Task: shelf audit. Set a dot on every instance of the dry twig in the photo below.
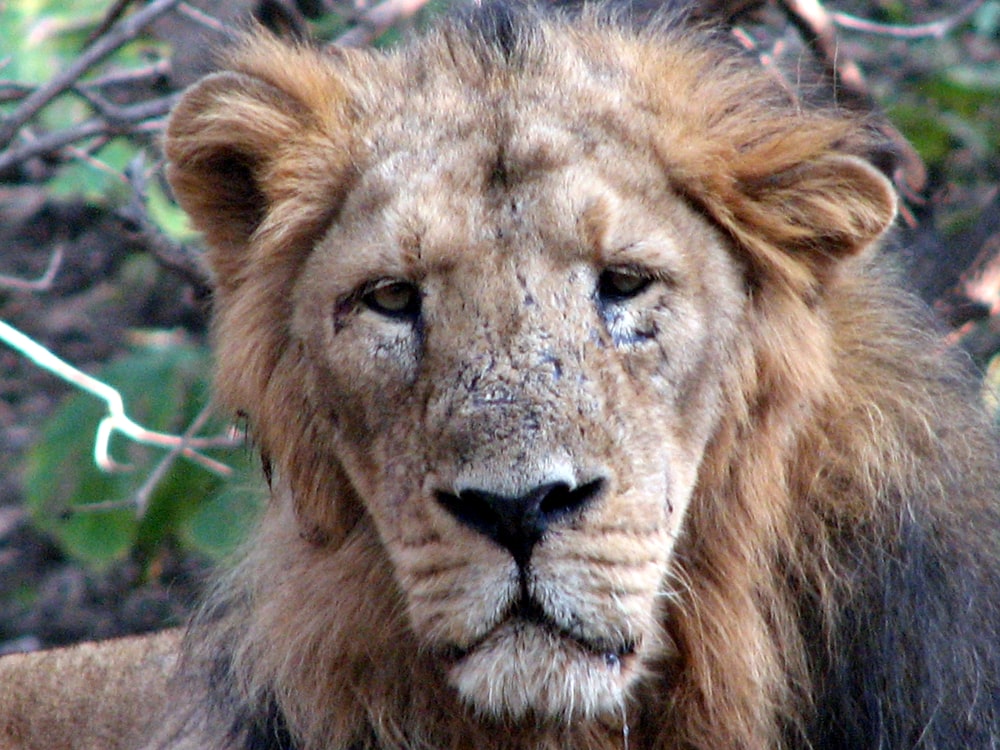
(42, 283)
(116, 420)
(173, 255)
(144, 116)
(140, 501)
(934, 29)
(116, 37)
(204, 19)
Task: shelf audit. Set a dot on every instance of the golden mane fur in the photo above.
(527, 252)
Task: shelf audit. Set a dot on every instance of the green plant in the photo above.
(92, 514)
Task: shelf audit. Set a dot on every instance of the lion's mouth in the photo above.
(529, 614)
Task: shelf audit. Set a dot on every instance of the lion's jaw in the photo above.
(517, 375)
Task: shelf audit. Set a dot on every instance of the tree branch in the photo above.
(123, 32)
(116, 420)
(819, 30)
(124, 119)
(934, 29)
(173, 255)
(42, 283)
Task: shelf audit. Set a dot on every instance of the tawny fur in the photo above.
(790, 457)
(93, 696)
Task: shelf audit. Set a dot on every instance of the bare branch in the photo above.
(42, 283)
(14, 92)
(146, 74)
(140, 501)
(202, 18)
(111, 17)
(934, 29)
(51, 142)
(172, 255)
(142, 496)
(120, 34)
(818, 28)
(125, 120)
(117, 115)
(116, 420)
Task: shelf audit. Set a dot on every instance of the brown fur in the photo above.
(89, 697)
(770, 424)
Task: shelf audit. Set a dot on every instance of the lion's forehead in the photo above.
(541, 189)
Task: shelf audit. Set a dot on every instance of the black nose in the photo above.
(518, 523)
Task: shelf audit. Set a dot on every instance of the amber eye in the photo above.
(620, 284)
(394, 299)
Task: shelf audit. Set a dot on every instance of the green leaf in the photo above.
(925, 130)
(220, 524)
(167, 214)
(61, 473)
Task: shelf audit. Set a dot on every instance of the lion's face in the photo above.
(494, 312)
(515, 354)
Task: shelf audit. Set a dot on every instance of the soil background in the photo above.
(91, 308)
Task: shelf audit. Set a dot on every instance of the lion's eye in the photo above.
(620, 284)
(394, 299)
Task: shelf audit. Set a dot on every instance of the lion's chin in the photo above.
(524, 668)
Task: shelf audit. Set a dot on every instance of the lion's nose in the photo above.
(518, 523)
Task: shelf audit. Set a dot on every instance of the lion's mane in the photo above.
(836, 582)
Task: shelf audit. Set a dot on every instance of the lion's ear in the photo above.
(811, 214)
(837, 204)
(220, 139)
(825, 209)
(265, 142)
(786, 181)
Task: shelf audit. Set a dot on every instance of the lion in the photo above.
(592, 412)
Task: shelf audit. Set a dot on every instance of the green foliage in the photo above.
(329, 26)
(42, 38)
(953, 106)
(923, 128)
(956, 107)
(163, 388)
(167, 214)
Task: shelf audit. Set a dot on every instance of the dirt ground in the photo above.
(87, 317)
